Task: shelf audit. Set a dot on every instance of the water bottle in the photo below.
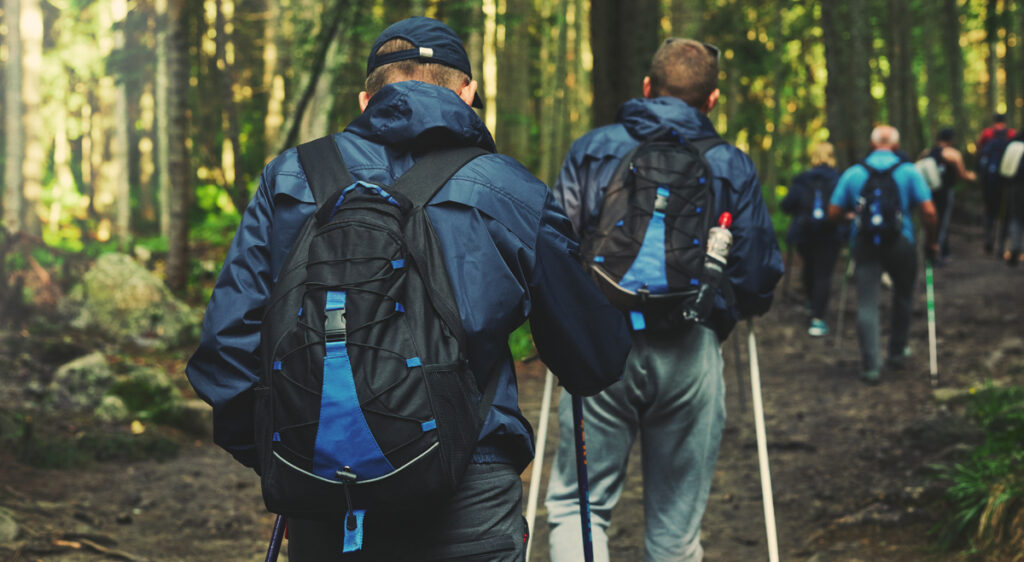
(719, 244)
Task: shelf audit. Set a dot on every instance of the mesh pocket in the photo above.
(457, 422)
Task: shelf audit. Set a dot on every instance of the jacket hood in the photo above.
(646, 118)
(419, 116)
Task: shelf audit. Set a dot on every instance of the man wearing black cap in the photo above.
(951, 167)
(509, 252)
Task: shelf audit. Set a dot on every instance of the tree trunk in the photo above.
(121, 145)
(955, 61)
(14, 133)
(231, 150)
(847, 92)
(512, 134)
(623, 37)
(34, 160)
(901, 91)
(162, 109)
(179, 166)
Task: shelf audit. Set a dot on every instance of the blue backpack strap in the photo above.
(324, 166)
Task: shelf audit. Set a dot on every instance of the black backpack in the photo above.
(816, 206)
(880, 209)
(992, 155)
(365, 399)
(647, 252)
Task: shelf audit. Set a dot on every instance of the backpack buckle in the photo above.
(335, 328)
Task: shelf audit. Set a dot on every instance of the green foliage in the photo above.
(992, 477)
(217, 219)
(521, 343)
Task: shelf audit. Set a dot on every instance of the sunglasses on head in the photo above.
(711, 49)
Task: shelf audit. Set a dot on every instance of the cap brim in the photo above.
(478, 102)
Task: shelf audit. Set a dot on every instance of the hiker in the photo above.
(507, 249)
(817, 239)
(1015, 211)
(949, 163)
(991, 143)
(672, 391)
(881, 191)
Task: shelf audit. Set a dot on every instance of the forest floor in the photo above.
(848, 461)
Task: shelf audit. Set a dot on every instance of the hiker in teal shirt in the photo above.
(896, 256)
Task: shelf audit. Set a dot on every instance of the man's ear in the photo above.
(364, 100)
(712, 100)
(647, 87)
(468, 92)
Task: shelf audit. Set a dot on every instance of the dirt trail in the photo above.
(847, 459)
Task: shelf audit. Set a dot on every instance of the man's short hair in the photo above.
(685, 69)
(885, 135)
(412, 69)
(945, 134)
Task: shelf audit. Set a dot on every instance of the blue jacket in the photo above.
(799, 202)
(913, 189)
(509, 250)
(755, 264)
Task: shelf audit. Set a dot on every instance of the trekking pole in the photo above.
(538, 460)
(276, 536)
(843, 286)
(581, 477)
(762, 447)
(933, 360)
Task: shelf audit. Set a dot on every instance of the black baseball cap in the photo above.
(946, 134)
(433, 41)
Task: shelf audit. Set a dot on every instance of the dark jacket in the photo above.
(799, 202)
(755, 265)
(509, 250)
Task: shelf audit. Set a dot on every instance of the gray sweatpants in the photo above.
(900, 260)
(673, 395)
(483, 522)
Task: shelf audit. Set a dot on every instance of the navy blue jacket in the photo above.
(799, 202)
(509, 250)
(755, 264)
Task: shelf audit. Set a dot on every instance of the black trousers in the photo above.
(995, 193)
(482, 522)
(819, 257)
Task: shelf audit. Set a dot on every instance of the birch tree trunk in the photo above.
(121, 145)
(14, 134)
(34, 160)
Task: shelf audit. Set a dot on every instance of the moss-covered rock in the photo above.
(112, 409)
(122, 300)
(146, 390)
(79, 385)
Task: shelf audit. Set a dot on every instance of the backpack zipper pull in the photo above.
(348, 477)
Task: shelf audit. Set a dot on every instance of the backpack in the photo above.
(365, 399)
(992, 155)
(879, 208)
(932, 170)
(647, 252)
(1009, 164)
(816, 206)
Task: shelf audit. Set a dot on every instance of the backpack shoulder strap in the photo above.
(324, 167)
(432, 171)
(707, 143)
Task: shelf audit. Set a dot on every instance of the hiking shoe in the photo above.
(871, 376)
(900, 360)
(818, 328)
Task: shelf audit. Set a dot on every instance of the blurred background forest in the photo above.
(144, 124)
(140, 127)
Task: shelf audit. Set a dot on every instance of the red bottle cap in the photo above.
(725, 220)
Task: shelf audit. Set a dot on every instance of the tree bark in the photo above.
(121, 145)
(14, 133)
(901, 91)
(179, 166)
(161, 94)
(955, 61)
(847, 93)
(512, 134)
(231, 151)
(992, 40)
(34, 160)
(623, 37)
